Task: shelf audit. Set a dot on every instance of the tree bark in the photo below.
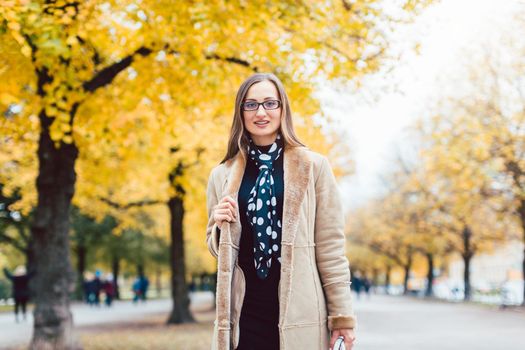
(467, 257)
(53, 281)
(406, 271)
(429, 292)
(157, 281)
(523, 267)
(406, 268)
(179, 290)
(115, 270)
(375, 277)
(521, 213)
(31, 267)
(387, 278)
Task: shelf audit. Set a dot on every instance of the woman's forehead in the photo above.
(262, 90)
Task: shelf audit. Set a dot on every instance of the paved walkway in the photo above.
(398, 323)
(12, 334)
(385, 323)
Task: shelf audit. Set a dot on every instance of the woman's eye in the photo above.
(250, 105)
(270, 104)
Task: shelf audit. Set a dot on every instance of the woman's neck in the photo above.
(264, 140)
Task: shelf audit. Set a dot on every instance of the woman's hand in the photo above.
(226, 210)
(347, 333)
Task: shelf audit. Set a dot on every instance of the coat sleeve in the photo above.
(212, 231)
(330, 250)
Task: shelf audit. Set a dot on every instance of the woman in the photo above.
(276, 227)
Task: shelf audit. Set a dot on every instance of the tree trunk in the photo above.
(523, 268)
(406, 269)
(429, 292)
(53, 281)
(81, 268)
(387, 279)
(467, 257)
(140, 268)
(31, 266)
(521, 211)
(115, 270)
(179, 290)
(375, 277)
(157, 281)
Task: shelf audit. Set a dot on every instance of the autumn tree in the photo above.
(475, 156)
(84, 63)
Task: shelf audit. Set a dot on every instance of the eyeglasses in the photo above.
(254, 105)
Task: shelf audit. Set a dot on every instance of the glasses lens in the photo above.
(272, 104)
(250, 106)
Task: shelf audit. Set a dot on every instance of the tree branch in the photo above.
(4, 238)
(131, 204)
(233, 60)
(106, 75)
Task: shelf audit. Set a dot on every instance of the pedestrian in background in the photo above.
(20, 280)
(357, 284)
(367, 285)
(92, 288)
(140, 288)
(108, 287)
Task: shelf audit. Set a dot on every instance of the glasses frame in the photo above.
(261, 104)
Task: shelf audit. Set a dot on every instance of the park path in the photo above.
(384, 323)
(404, 323)
(16, 334)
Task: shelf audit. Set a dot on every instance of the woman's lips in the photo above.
(261, 124)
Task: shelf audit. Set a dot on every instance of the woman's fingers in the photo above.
(229, 206)
(219, 218)
(228, 212)
(230, 200)
(347, 334)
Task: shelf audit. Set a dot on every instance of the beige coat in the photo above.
(314, 290)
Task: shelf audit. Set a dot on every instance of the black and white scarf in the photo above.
(262, 212)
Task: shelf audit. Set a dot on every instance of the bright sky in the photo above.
(375, 127)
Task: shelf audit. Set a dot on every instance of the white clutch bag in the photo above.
(339, 344)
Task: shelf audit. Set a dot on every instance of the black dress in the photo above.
(260, 309)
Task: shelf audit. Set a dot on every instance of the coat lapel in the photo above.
(233, 184)
(296, 176)
(229, 238)
(297, 170)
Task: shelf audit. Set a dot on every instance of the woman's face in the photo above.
(262, 124)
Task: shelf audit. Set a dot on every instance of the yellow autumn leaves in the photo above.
(143, 87)
(461, 190)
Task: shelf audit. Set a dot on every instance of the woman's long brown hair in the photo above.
(239, 136)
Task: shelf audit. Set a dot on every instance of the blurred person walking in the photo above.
(20, 280)
(92, 288)
(367, 285)
(357, 284)
(108, 287)
(276, 226)
(140, 288)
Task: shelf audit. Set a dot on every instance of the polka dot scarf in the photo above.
(262, 209)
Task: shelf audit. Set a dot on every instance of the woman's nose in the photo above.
(261, 110)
